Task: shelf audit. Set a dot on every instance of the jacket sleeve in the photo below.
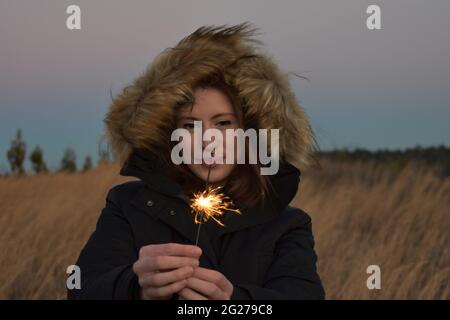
(107, 258)
(292, 273)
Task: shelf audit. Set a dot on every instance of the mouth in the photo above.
(208, 162)
(207, 166)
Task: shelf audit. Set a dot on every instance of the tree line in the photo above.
(437, 157)
(17, 154)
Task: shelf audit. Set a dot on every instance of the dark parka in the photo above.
(266, 253)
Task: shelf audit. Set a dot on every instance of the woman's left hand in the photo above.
(206, 284)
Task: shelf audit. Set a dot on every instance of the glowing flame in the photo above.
(211, 204)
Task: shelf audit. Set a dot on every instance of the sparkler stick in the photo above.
(201, 216)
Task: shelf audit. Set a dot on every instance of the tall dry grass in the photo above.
(361, 216)
(365, 215)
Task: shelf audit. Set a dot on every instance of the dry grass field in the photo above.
(362, 215)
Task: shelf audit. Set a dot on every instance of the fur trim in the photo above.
(141, 116)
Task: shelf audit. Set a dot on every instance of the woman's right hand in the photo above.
(162, 269)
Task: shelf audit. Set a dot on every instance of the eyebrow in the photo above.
(213, 117)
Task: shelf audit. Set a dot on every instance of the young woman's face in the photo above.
(215, 110)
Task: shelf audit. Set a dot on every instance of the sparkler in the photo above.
(210, 204)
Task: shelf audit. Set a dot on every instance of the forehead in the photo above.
(208, 102)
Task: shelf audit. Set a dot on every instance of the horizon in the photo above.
(5, 169)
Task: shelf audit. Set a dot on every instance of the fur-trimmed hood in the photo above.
(140, 117)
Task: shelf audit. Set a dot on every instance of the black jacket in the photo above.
(267, 252)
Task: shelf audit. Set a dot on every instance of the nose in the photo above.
(206, 126)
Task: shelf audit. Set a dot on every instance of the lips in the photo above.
(207, 161)
(207, 166)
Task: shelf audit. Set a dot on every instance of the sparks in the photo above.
(211, 204)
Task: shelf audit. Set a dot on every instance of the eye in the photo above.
(188, 125)
(224, 123)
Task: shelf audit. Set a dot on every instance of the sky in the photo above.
(374, 89)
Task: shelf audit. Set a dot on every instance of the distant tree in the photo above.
(16, 154)
(37, 160)
(104, 156)
(68, 162)
(87, 163)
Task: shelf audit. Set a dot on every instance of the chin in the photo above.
(219, 172)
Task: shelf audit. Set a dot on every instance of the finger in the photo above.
(213, 276)
(189, 294)
(151, 264)
(206, 288)
(166, 291)
(159, 279)
(171, 249)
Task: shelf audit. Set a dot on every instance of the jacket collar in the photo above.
(148, 167)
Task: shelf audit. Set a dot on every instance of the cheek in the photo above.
(230, 148)
(191, 143)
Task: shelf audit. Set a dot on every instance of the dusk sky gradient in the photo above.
(374, 89)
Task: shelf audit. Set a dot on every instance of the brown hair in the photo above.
(245, 183)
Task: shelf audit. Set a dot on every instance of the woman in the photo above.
(143, 246)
